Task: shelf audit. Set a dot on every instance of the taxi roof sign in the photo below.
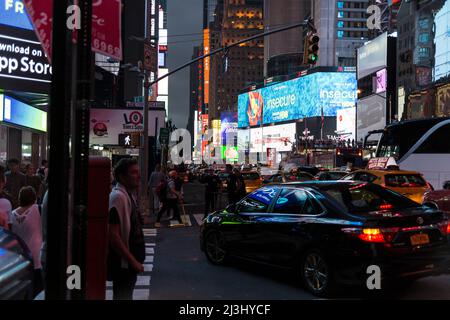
(382, 163)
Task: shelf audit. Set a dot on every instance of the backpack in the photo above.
(161, 190)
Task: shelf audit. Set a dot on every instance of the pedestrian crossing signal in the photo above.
(130, 140)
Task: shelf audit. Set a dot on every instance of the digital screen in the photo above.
(21, 114)
(228, 126)
(13, 13)
(229, 153)
(381, 80)
(299, 98)
(372, 56)
(371, 115)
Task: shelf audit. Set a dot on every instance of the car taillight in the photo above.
(444, 227)
(375, 235)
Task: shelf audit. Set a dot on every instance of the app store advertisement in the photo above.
(298, 98)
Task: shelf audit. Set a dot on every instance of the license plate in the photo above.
(418, 239)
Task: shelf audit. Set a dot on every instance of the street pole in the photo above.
(144, 149)
(57, 217)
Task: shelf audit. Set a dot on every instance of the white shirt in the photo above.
(27, 225)
(5, 211)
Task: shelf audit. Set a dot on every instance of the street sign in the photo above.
(164, 136)
(130, 140)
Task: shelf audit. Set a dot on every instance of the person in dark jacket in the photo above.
(212, 187)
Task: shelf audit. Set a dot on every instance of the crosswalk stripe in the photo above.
(143, 281)
(149, 250)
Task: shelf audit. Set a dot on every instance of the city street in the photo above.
(181, 271)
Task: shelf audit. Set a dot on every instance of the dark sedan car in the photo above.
(330, 175)
(330, 232)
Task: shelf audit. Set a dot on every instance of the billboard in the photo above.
(299, 98)
(216, 133)
(15, 112)
(280, 137)
(107, 124)
(371, 115)
(442, 42)
(346, 123)
(228, 123)
(13, 13)
(206, 65)
(372, 56)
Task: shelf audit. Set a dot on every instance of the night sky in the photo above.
(184, 17)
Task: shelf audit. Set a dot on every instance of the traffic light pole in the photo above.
(305, 24)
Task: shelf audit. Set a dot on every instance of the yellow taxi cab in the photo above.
(411, 184)
(252, 180)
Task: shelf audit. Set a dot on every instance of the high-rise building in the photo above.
(423, 73)
(283, 52)
(342, 28)
(242, 65)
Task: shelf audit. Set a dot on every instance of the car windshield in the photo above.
(366, 197)
(250, 176)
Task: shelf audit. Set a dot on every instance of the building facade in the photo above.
(342, 28)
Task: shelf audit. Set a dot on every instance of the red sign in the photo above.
(106, 25)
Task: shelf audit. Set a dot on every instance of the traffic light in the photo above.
(311, 48)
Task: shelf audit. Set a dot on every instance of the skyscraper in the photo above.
(342, 27)
(242, 65)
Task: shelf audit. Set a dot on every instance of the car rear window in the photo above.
(364, 198)
(404, 180)
(250, 176)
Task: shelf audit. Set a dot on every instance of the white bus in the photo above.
(419, 145)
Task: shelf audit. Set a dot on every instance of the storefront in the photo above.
(23, 131)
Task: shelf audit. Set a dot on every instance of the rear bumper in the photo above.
(352, 268)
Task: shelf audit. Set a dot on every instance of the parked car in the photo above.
(16, 268)
(439, 199)
(330, 232)
(288, 177)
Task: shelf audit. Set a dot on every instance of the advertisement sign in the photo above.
(299, 98)
(279, 137)
(107, 124)
(206, 65)
(228, 124)
(106, 25)
(229, 153)
(13, 13)
(346, 123)
(18, 113)
(216, 133)
(372, 56)
(205, 119)
(371, 115)
(381, 79)
(443, 100)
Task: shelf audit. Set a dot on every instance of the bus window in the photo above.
(437, 142)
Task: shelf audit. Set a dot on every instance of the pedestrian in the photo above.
(34, 180)
(173, 197)
(156, 178)
(15, 180)
(25, 222)
(41, 170)
(5, 202)
(213, 184)
(126, 238)
(241, 191)
(231, 184)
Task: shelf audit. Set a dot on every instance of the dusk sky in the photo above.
(184, 17)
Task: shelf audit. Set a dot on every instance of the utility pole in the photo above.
(145, 148)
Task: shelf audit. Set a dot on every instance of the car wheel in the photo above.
(316, 273)
(215, 248)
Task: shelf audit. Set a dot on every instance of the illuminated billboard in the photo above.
(372, 56)
(228, 127)
(299, 98)
(371, 115)
(18, 113)
(13, 13)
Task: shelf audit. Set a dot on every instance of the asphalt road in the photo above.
(181, 271)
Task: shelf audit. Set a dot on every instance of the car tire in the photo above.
(316, 273)
(215, 250)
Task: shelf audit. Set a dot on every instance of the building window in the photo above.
(423, 23)
(424, 37)
(340, 4)
(340, 14)
(340, 24)
(340, 34)
(424, 52)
